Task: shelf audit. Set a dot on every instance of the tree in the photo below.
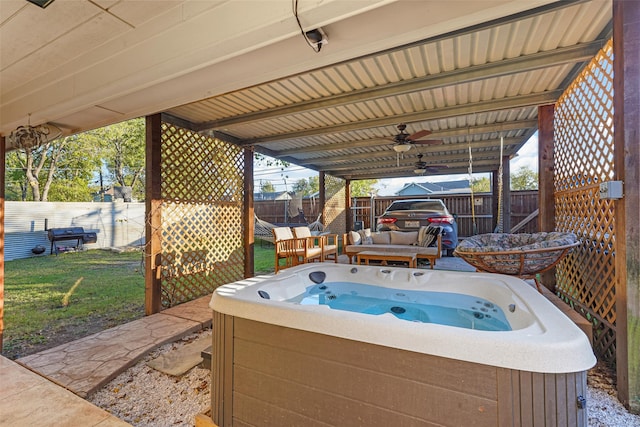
(57, 171)
(524, 179)
(307, 187)
(363, 187)
(267, 187)
(481, 185)
(122, 148)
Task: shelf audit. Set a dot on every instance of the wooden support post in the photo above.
(495, 203)
(2, 183)
(153, 206)
(546, 219)
(322, 197)
(347, 203)
(626, 104)
(506, 194)
(546, 200)
(248, 215)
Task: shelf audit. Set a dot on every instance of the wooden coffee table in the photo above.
(366, 256)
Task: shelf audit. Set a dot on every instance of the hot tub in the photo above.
(286, 354)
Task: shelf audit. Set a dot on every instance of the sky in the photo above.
(283, 180)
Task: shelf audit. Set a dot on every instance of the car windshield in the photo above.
(422, 205)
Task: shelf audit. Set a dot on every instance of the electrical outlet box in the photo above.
(611, 190)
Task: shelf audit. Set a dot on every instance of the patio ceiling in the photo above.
(470, 72)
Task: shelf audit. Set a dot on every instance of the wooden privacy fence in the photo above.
(523, 204)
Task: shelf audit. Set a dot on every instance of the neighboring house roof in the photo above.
(419, 188)
(276, 195)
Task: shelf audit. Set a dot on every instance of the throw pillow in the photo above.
(428, 235)
(366, 236)
(404, 237)
(381, 238)
(354, 238)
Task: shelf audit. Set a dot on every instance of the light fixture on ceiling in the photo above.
(33, 136)
(316, 38)
(401, 147)
(420, 166)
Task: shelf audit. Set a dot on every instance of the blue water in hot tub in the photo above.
(445, 308)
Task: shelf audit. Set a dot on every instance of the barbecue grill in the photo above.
(70, 233)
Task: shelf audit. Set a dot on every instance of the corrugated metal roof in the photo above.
(472, 86)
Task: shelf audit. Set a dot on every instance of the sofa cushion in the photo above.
(354, 238)
(404, 237)
(365, 236)
(382, 238)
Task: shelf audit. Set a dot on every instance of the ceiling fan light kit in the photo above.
(401, 147)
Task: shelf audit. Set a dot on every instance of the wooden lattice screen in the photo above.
(202, 203)
(335, 207)
(584, 158)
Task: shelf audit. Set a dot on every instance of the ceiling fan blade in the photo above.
(427, 141)
(419, 134)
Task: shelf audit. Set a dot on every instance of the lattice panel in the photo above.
(335, 208)
(584, 157)
(584, 126)
(202, 236)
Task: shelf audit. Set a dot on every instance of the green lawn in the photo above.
(50, 300)
(263, 257)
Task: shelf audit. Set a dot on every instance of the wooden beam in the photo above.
(546, 170)
(3, 154)
(347, 196)
(248, 215)
(506, 194)
(495, 198)
(546, 219)
(322, 198)
(153, 206)
(626, 89)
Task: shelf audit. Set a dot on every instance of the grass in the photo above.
(263, 257)
(55, 299)
(51, 300)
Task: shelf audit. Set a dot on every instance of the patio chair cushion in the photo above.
(516, 254)
(282, 233)
(499, 242)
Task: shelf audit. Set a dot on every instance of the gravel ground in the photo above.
(145, 397)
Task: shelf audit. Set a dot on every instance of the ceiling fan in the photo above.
(403, 141)
(420, 167)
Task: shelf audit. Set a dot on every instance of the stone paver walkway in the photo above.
(85, 365)
(27, 399)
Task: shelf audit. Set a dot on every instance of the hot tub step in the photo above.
(206, 357)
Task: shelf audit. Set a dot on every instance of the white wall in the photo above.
(116, 224)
